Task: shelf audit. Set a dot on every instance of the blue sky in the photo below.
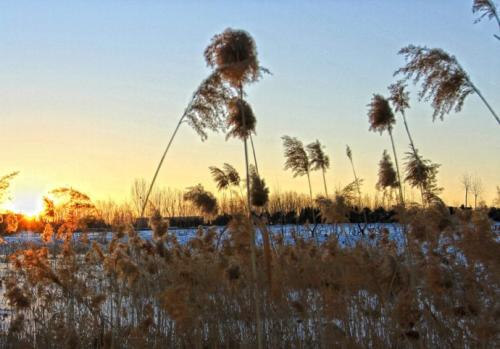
(91, 90)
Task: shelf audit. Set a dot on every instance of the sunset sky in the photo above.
(90, 91)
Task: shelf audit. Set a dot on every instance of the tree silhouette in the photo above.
(466, 181)
(444, 82)
(382, 119)
(318, 160)
(476, 189)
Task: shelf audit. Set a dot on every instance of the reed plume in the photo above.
(444, 82)
(232, 175)
(485, 9)
(422, 174)
(318, 160)
(381, 119)
(297, 160)
(220, 178)
(387, 177)
(233, 53)
(11, 223)
(241, 119)
(258, 189)
(203, 200)
(5, 183)
(207, 110)
(158, 225)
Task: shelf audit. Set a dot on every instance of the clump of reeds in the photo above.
(202, 200)
(132, 292)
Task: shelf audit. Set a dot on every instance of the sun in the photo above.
(29, 204)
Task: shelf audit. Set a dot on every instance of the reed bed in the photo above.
(440, 290)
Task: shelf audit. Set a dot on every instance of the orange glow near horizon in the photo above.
(26, 203)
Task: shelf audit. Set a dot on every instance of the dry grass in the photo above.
(441, 290)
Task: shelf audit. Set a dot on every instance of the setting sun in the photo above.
(29, 204)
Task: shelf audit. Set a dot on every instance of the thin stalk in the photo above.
(359, 193)
(311, 196)
(401, 198)
(412, 145)
(485, 102)
(145, 202)
(252, 237)
(324, 182)
(408, 133)
(254, 155)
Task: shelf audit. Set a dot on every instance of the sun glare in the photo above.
(29, 204)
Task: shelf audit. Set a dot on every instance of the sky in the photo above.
(90, 91)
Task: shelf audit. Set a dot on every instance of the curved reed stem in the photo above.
(252, 236)
(401, 198)
(486, 103)
(254, 155)
(145, 202)
(324, 182)
(359, 192)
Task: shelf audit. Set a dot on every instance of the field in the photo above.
(348, 242)
(154, 290)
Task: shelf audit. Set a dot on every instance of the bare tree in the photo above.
(476, 189)
(466, 182)
(138, 195)
(496, 201)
